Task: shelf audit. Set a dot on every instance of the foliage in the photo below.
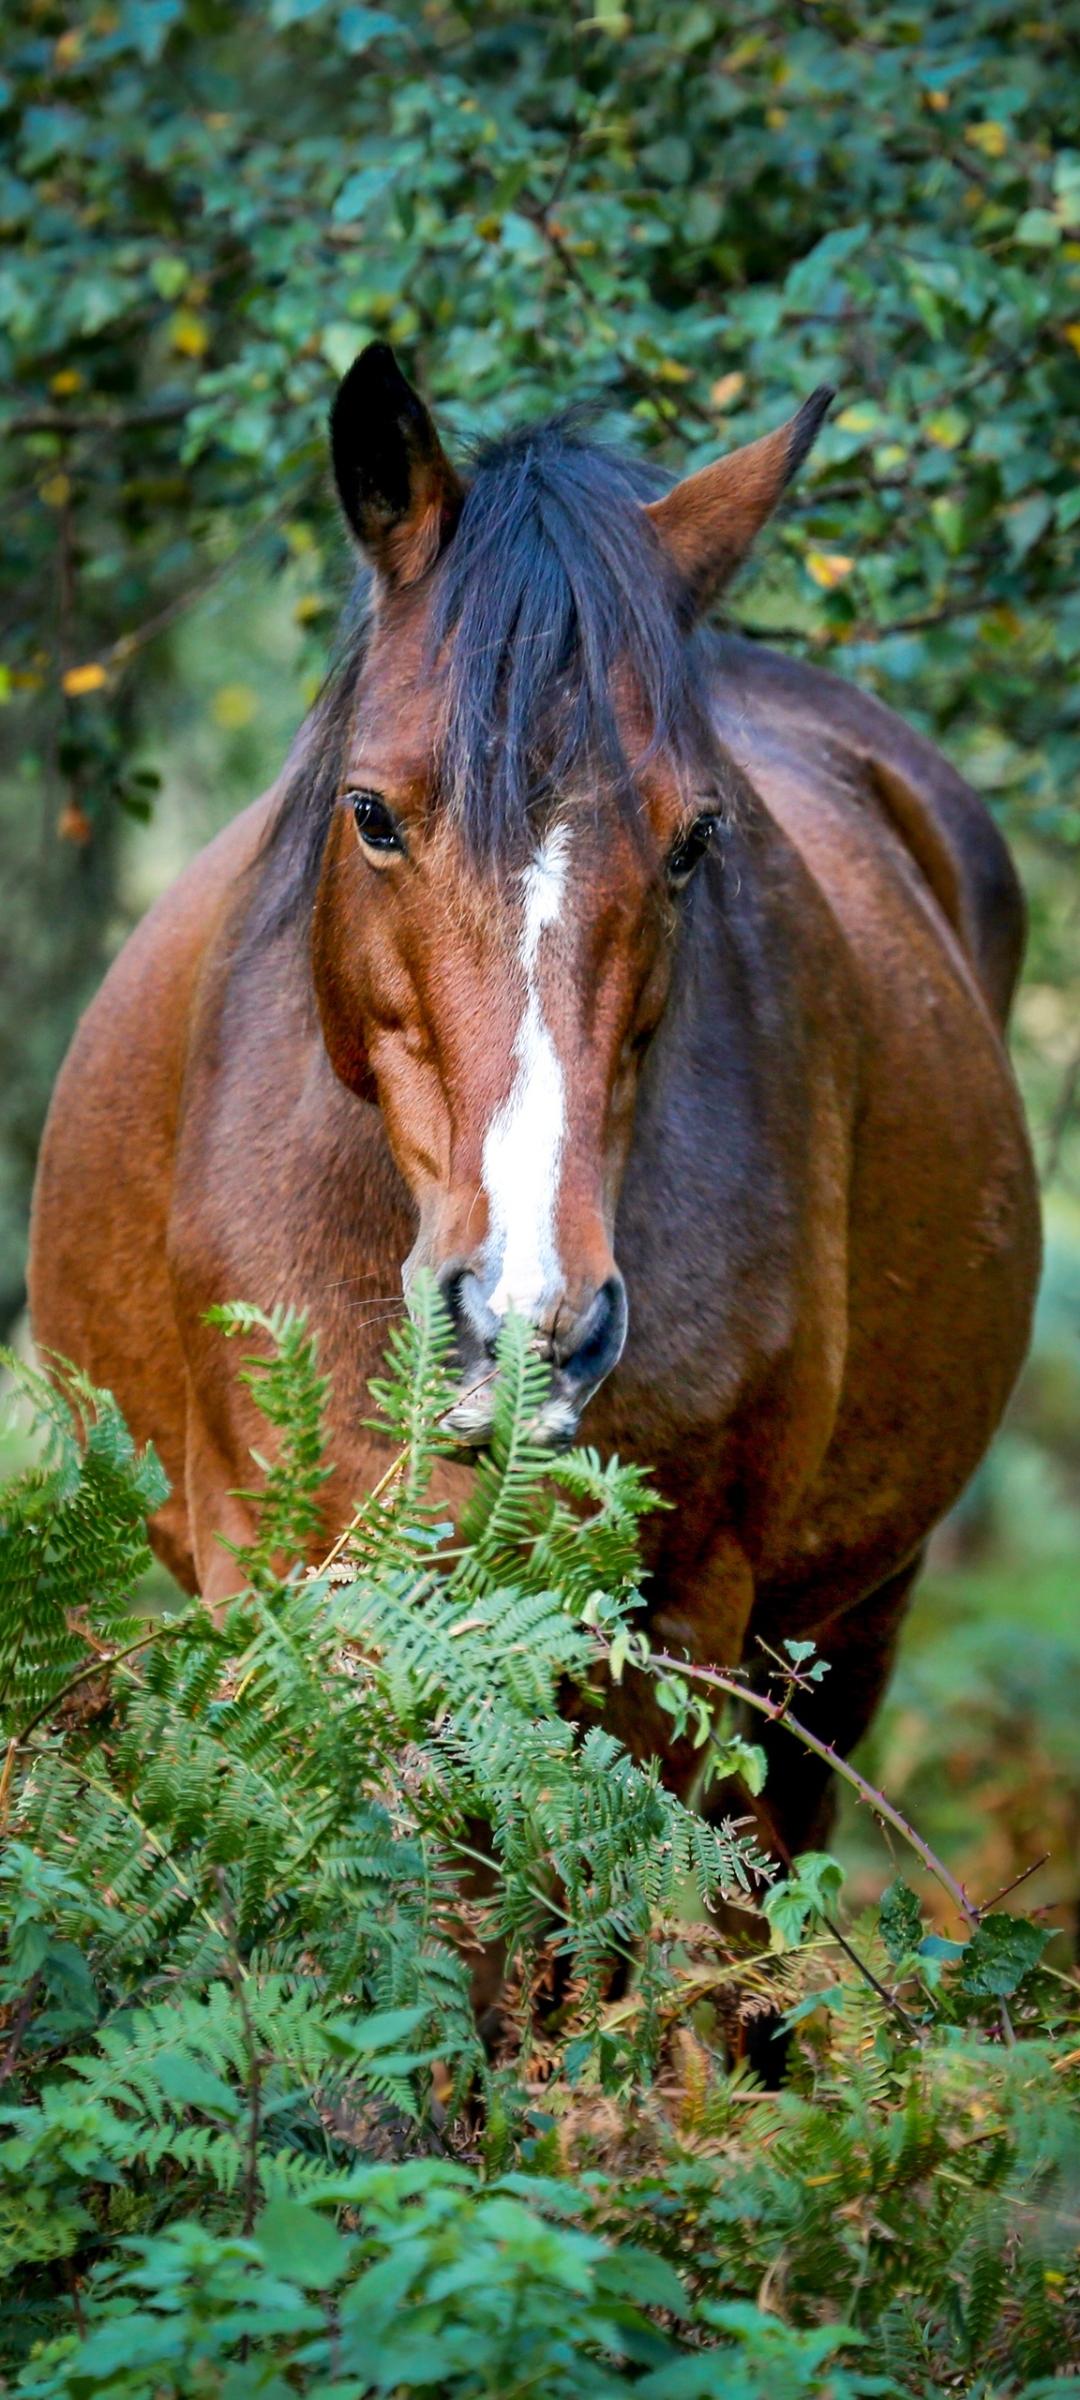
(249, 2134)
(685, 216)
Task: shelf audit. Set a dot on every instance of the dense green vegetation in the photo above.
(687, 215)
(250, 2139)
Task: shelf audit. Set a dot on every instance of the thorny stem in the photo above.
(778, 1713)
(19, 2023)
(1011, 1887)
(236, 1977)
(883, 1993)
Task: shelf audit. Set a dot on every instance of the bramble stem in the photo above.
(778, 1713)
(100, 1664)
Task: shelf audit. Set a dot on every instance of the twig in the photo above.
(393, 1469)
(236, 1977)
(1011, 1887)
(881, 1989)
(61, 420)
(118, 653)
(19, 2023)
(778, 1714)
(99, 1665)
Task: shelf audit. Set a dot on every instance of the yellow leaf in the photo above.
(188, 333)
(233, 706)
(826, 568)
(775, 118)
(990, 137)
(78, 680)
(863, 417)
(68, 381)
(56, 491)
(726, 389)
(68, 47)
(744, 53)
(1072, 334)
(937, 100)
(671, 370)
(947, 428)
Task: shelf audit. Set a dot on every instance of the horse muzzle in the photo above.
(580, 1348)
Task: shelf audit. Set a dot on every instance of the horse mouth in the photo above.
(471, 1417)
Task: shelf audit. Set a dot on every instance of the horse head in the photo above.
(528, 784)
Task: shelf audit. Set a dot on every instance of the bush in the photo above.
(253, 2140)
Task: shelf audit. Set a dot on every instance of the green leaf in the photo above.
(299, 2243)
(900, 1919)
(359, 27)
(360, 2037)
(360, 193)
(294, 12)
(644, 2277)
(189, 2084)
(1039, 228)
(831, 1996)
(1000, 1953)
(734, 1756)
(808, 1892)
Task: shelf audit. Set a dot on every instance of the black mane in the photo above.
(553, 578)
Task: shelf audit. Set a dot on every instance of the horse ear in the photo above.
(707, 523)
(397, 487)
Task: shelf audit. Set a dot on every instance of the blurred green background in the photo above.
(686, 216)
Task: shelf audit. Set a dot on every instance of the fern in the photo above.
(291, 1395)
(235, 2008)
(72, 1539)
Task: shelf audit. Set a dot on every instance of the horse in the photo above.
(615, 970)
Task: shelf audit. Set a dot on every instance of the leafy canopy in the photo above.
(689, 216)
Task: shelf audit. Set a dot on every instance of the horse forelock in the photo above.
(552, 592)
(552, 595)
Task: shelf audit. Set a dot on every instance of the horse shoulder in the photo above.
(943, 824)
(99, 1284)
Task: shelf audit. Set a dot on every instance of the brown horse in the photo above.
(628, 975)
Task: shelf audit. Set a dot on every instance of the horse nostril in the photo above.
(474, 1327)
(600, 1335)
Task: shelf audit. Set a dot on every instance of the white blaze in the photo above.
(524, 1141)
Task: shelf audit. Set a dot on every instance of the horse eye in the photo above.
(685, 856)
(374, 823)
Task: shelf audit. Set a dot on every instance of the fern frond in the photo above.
(72, 1539)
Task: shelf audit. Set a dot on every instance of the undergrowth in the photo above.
(255, 1873)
